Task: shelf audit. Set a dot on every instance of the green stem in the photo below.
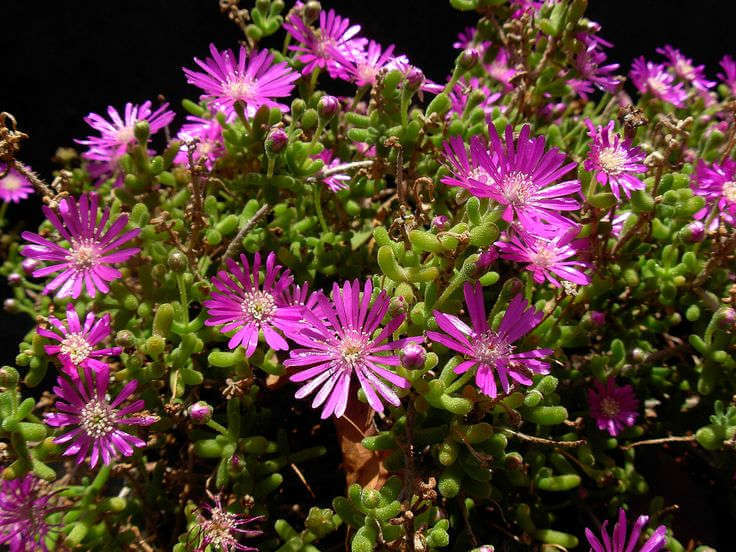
(317, 188)
(405, 99)
(183, 299)
(457, 384)
(3, 210)
(212, 424)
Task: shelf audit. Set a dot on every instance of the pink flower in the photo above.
(548, 257)
(460, 94)
(589, 64)
(717, 184)
(343, 346)
(76, 342)
(207, 133)
(336, 181)
(98, 422)
(653, 78)
(24, 507)
(684, 68)
(613, 408)
(253, 79)
(327, 47)
(618, 541)
(118, 133)
(222, 528)
(492, 351)
(13, 185)
(465, 171)
(728, 77)
(500, 69)
(613, 160)
(92, 246)
(363, 66)
(241, 304)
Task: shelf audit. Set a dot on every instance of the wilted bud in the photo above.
(414, 78)
(276, 141)
(726, 318)
(177, 261)
(311, 11)
(10, 305)
(412, 356)
(14, 279)
(694, 232)
(29, 265)
(469, 58)
(439, 222)
(200, 412)
(598, 318)
(328, 106)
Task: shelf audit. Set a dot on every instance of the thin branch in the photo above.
(547, 442)
(661, 441)
(235, 243)
(343, 167)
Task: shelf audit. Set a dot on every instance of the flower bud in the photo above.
(14, 279)
(726, 317)
(694, 232)
(11, 305)
(297, 108)
(177, 261)
(276, 141)
(124, 339)
(414, 78)
(29, 265)
(439, 222)
(200, 412)
(469, 58)
(486, 258)
(598, 318)
(327, 107)
(311, 11)
(412, 356)
(142, 131)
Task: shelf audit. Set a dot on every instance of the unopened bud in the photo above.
(177, 261)
(200, 412)
(412, 356)
(297, 108)
(694, 232)
(469, 58)
(125, 339)
(276, 141)
(598, 318)
(311, 11)
(14, 279)
(142, 131)
(10, 305)
(328, 106)
(439, 222)
(29, 265)
(414, 78)
(726, 318)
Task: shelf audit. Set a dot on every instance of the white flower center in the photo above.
(241, 89)
(11, 182)
(97, 419)
(76, 346)
(612, 160)
(684, 69)
(366, 73)
(218, 529)
(518, 188)
(729, 191)
(545, 255)
(258, 307)
(84, 254)
(488, 348)
(352, 349)
(657, 85)
(610, 407)
(125, 135)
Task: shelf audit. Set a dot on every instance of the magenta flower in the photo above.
(76, 342)
(717, 184)
(118, 133)
(24, 507)
(363, 66)
(521, 177)
(329, 46)
(466, 171)
(500, 70)
(548, 257)
(222, 528)
(298, 296)
(684, 68)
(653, 78)
(241, 304)
(460, 94)
(520, 7)
(253, 79)
(617, 542)
(87, 249)
(613, 408)
(344, 346)
(492, 351)
(13, 185)
(336, 181)
(98, 422)
(728, 77)
(209, 145)
(589, 63)
(613, 160)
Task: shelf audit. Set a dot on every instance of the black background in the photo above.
(61, 60)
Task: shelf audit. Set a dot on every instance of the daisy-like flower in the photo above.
(241, 303)
(88, 248)
(118, 133)
(548, 257)
(612, 407)
(728, 77)
(221, 529)
(13, 185)
(717, 184)
(24, 509)
(98, 421)
(684, 68)
(298, 296)
(363, 65)
(335, 40)
(207, 134)
(522, 176)
(617, 542)
(500, 70)
(76, 342)
(252, 78)
(460, 94)
(336, 181)
(613, 160)
(343, 346)
(465, 171)
(589, 63)
(490, 351)
(653, 78)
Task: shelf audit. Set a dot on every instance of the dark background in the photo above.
(61, 60)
